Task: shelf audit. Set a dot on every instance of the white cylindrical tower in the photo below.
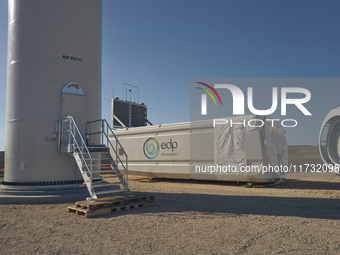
(54, 70)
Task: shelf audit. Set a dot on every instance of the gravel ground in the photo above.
(189, 217)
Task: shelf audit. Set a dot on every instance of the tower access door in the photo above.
(74, 104)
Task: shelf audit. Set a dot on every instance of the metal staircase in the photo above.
(99, 170)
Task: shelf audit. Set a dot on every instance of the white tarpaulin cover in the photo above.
(230, 140)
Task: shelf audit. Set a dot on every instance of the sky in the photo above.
(160, 45)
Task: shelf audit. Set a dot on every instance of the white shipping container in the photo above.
(186, 150)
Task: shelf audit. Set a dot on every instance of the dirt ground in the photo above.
(189, 217)
(304, 154)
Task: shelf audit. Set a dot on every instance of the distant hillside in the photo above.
(2, 159)
(304, 155)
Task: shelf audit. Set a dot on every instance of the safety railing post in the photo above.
(107, 132)
(69, 130)
(58, 130)
(126, 170)
(91, 187)
(74, 139)
(102, 132)
(116, 152)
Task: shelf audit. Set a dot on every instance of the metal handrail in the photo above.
(103, 122)
(74, 142)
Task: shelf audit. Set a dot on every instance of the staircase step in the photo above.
(95, 161)
(99, 149)
(106, 161)
(94, 149)
(105, 171)
(108, 164)
(112, 164)
(106, 176)
(96, 153)
(109, 177)
(99, 152)
(105, 184)
(100, 164)
(102, 159)
(112, 191)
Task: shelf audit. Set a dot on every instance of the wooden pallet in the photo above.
(111, 204)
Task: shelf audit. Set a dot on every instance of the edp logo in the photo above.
(152, 147)
(169, 145)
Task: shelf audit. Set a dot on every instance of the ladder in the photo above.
(96, 165)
